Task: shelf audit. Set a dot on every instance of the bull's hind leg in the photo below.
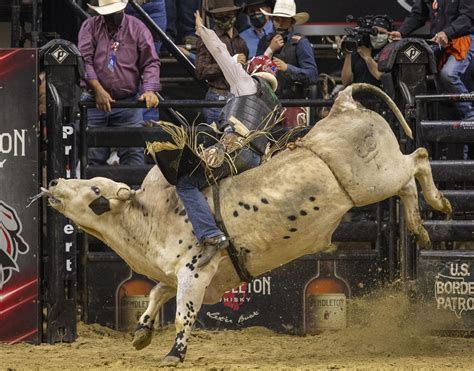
(192, 284)
(159, 295)
(423, 174)
(409, 197)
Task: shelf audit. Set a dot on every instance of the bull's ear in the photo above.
(100, 205)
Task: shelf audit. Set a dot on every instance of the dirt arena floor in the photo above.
(385, 332)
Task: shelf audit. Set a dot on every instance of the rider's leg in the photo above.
(209, 236)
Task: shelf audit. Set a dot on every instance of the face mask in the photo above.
(225, 23)
(114, 20)
(379, 41)
(258, 20)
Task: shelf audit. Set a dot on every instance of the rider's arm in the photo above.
(239, 81)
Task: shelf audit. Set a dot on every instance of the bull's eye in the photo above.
(96, 190)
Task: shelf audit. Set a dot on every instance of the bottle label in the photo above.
(131, 308)
(326, 312)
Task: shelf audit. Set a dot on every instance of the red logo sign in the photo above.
(11, 242)
(234, 299)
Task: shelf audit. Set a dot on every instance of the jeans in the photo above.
(212, 114)
(189, 191)
(198, 211)
(450, 80)
(156, 9)
(118, 117)
(181, 18)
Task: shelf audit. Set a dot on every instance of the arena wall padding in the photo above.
(19, 180)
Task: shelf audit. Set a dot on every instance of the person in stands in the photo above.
(293, 55)
(362, 66)
(180, 25)
(223, 14)
(260, 24)
(119, 56)
(452, 27)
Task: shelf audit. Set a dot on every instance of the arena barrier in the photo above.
(63, 67)
(445, 273)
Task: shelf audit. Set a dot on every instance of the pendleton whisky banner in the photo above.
(19, 179)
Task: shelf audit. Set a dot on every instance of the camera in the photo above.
(360, 35)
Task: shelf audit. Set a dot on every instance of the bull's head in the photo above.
(86, 202)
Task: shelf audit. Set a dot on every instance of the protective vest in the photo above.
(256, 112)
(287, 87)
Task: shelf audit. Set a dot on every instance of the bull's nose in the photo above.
(53, 183)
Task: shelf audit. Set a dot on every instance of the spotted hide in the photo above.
(293, 202)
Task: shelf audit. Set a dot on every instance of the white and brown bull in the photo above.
(285, 208)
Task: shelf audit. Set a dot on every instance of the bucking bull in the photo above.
(287, 207)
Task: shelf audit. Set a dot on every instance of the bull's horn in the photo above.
(125, 194)
(381, 94)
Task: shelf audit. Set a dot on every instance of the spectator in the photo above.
(293, 55)
(156, 9)
(252, 103)
(362, 66)
(451, 26)
(223, 13)
(180, 15)
(118, 50)
(260, 24)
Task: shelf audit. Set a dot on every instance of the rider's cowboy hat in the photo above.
(109, 6)
(287, 9)
(220, 6)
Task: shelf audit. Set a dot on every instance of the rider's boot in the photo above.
(210, 245)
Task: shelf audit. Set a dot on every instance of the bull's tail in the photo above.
(357, 87)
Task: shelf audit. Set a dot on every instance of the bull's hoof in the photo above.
(142, 338)
(447, 208)
(423, 238)
(170, 361)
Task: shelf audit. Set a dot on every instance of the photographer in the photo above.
(361, 66)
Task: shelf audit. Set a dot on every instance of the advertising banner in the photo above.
(19, 179)
(446, 282)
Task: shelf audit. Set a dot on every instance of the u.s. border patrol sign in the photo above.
(454, 288)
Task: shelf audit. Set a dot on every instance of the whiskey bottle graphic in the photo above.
(325, 300)
(132, 301)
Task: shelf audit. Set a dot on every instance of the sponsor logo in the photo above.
(453, 289)
(60, 54)
(11, 242)
(412, 53)
(237, 300)
(12, 143)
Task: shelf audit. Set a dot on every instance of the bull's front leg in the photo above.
(192, 284)
(159, 295)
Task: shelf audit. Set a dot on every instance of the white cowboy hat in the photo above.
(272, 80)
(109, 6)
(287, 9)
